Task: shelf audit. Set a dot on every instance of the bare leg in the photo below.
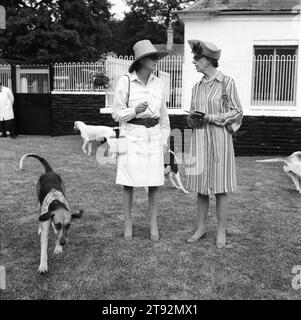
(127, 207)
(222, 213)
(153, 199)
(203, 208)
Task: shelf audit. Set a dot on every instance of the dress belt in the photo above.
(147, 122)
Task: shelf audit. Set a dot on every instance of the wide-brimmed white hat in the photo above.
(143, 49)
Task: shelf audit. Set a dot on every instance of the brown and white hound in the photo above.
(54, 210)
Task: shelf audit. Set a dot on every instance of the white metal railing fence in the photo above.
(274, 80)
(5, 75)
(116, 67)
(78, 76)
(263, 81)
(169, 69)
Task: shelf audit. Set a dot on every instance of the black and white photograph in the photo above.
(150, 151)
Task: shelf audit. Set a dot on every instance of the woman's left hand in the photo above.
(193, 122)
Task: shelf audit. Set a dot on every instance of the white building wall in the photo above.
(236, 36)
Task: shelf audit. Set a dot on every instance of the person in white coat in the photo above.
(140, 107)
(7, 124)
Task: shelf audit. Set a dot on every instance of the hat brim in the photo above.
(215, 56)
(193, 42)
(161, 54)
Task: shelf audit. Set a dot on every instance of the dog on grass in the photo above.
(292, 167)
(54, 210)
(93, 133)
(171, 171)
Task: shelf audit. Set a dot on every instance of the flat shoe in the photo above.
(194, 239)
(220, 245)
(155, 238)
(128, 233)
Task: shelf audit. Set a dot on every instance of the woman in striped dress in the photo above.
(211, 167)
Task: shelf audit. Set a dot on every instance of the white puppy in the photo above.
(93, 133)
(292, 167)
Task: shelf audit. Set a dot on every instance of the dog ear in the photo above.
(77, 215)
(46, 216)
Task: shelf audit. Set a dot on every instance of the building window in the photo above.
(274, 76)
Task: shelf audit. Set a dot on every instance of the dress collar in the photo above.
(133, 76)
(218, 76)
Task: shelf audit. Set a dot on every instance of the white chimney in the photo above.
(170, 32)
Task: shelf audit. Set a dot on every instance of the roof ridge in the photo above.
(243, 5)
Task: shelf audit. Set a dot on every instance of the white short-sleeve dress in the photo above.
(143, 164)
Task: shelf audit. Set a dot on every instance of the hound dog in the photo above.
(54, 210)
(292, 167)
(93, 133)
(171, 171)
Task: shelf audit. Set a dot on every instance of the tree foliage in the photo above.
(148, 20)
(45, 31)
(55, 30)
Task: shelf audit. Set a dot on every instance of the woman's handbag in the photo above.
(235, 125)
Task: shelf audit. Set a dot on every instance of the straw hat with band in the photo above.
(209, 49)
(143, 49)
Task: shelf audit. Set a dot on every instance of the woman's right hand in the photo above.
(141, 107)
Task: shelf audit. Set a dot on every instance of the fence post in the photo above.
(13, 75)
(51, 77)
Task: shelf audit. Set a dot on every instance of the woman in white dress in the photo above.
(139, 106)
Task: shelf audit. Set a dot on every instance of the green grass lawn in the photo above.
(264, 234)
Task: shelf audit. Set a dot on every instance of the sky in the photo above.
(118, 7)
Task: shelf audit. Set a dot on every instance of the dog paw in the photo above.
(43, 268)
(58, 249)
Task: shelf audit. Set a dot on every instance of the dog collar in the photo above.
(52, 195)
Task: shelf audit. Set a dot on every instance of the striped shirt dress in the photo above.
(211, 163)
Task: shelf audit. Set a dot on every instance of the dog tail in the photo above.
(274, 160)
(42, 160)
